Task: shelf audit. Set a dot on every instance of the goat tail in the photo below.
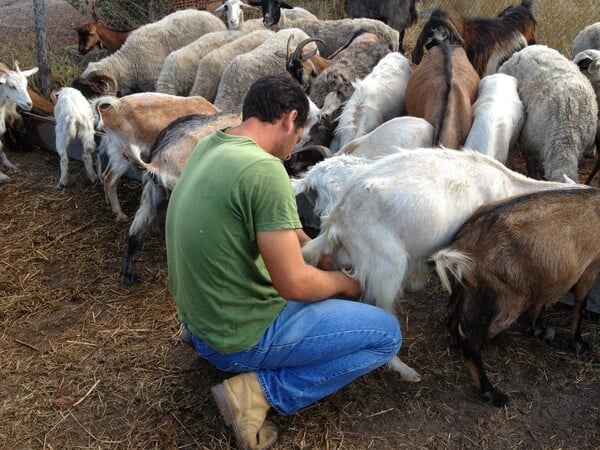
(453, 261)
(136, 154)
(439, 126)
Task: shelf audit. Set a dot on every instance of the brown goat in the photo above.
(93, 34)
(514, 257)
(442, 90)
(488, 42)
(137, 120)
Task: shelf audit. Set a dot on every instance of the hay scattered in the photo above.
(90, 363)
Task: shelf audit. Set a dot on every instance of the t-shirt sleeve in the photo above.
(267, 190)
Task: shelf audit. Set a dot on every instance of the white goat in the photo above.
(75, 120)
(411, 204)
(13, 92)
(498, 117)
(378, 97)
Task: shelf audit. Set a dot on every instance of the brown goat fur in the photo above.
(514, 257)
(138, 119)
(442, 90)
(93, 34)
(488, 42)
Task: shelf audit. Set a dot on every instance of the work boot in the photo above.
(244, 407)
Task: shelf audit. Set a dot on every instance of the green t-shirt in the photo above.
(229, 189)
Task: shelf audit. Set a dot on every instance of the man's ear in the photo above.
(292, 116)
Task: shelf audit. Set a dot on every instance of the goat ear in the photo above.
(2, 79)
(30, 72)
(310, 54)
(220, 8)
(281, 55)
(417, 53)
(249, 7)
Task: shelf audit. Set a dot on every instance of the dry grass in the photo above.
(89, 363)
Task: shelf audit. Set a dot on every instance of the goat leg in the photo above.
(482, 382)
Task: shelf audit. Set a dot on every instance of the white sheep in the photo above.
(75, 120)
(179, 68)
(335, 33)
(211, 67)
(137, 64)
(13, 93)
(588, 62)
(588, 38)
(377, 98)
(498, 117)
(245, 69)
(561, 111)
(396, 212)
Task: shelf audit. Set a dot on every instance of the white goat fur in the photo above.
(179, 68)
(410, 205)
(561, 111)
(378, 97)
(13, 93)
(390, 137)
(211, 67)
(75, 120)
(137, 64)
(587, 38)
(498, 117)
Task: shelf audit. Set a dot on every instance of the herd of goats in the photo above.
(403, 165)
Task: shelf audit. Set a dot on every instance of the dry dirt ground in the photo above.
(90, 363)
(86, 362)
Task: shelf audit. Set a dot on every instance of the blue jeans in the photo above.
(313, 349)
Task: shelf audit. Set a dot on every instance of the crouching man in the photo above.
(241, 286)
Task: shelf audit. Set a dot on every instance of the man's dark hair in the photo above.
(272, 96)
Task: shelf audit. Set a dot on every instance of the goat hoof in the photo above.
(4, 178)
(411, 377)
(549, 334)
(497, 398)
(583, 350)
(122, 218)
(129, 278)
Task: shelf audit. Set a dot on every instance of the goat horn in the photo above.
(302, 44)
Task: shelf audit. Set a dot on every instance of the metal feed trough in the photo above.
(42, 135)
